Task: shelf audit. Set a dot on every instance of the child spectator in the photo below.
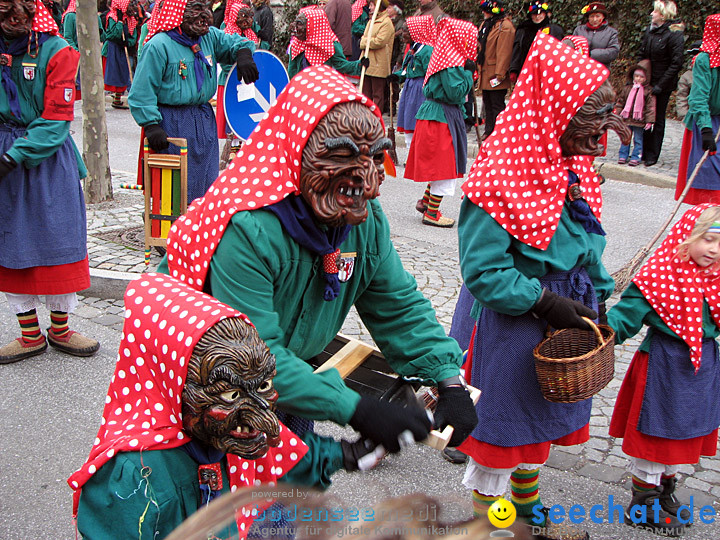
(637, 103)
(667, 411)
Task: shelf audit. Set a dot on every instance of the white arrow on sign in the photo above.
(250, 91)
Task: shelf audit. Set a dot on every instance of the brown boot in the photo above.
(74, 343)
(19, 350)
(421, 206)
(642, 503)
(438, 221)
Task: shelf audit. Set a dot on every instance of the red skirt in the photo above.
(657, 449)
(432, 155)
(694, 196)
(59, 279)
(220, 113)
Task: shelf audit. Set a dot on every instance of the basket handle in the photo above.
(595, 329)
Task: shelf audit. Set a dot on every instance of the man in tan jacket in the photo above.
(380, 37)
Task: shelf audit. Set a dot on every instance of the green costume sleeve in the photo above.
(342, 64)
(42, 140)
(627, 317)
(143, 96)
(114, 31)
(141, 40)
(488, 267)
(295, 64)
(449, 86)
(700, 97)
(70, 30)
(247, 283)
(131, 38)
(228, 45)
(358, 27)
(323, 458)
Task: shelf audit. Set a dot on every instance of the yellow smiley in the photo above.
(502, 513)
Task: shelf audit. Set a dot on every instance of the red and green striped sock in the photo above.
(434, 206)
(639, 485)
(59, 323)
(524, 490)
(426, 195)
(30, 327)
(481, 503)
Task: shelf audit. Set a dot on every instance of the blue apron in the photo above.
(709, 174)
(410, 100)
(42, 209)
(678, 403)
(456, 125)
(511, 410)
(116, 67)
(197, 124)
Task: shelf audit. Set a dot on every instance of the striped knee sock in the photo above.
(426, 195)
(524, 490)
(59, 323)
(481, 503)
(434, 206)
(639, 485)
(30, 327)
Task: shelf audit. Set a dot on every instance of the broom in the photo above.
(391, 130)
(367, 44)
(623, 276)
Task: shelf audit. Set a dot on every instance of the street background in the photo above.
(52, 403)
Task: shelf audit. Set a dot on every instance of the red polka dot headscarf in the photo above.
(520, 176)
(357, 9)
(164, 320)
(422, 29)
(711, 39)
(456, 43)
(71, 8)
(165, 17)
(266, 170)
(231, 27)
(121, 6)
(43, 21)
(675, 288)
(581, 44)
(319, 44)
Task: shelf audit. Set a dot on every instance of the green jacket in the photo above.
(115, 31)
(704, 98)
(504, 274)
(336, 61)
(419, 66)
(159, 75)
(259, 270)
(450, 86)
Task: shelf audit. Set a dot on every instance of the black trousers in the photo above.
(653, 139)
(494, 101)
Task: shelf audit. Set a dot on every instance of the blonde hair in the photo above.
(666, 8)
(702, 225)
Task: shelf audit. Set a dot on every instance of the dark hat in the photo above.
(399, 3)
(694, 47)
(492, 6)
(537, 6)
(594, 7)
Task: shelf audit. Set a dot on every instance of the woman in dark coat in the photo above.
(538, 20)
(663, 45)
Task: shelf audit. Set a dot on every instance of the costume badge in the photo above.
(29, 71)
(211, 475)
(346, 265)
(68, 94)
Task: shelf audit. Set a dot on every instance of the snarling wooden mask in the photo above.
(592, 121)
(229, 397)
(16, 17)
(244, 18)
(342, 164)
(298, 28)
(197, 19)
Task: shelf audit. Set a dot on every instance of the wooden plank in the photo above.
(347, 359)
(164, 161)
(440, 439)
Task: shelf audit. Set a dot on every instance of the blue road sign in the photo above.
(246, 104)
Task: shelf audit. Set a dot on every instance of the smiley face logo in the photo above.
(502, 513)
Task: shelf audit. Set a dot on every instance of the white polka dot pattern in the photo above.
(121, 6)
(456, 42)
(711, 39)
(422, 29)
(232, 9)
(675, 288)
(265, 171)
(164, 319)
(520, 176)
(357, 8)
(166, 17)
(319, 44)
(43, 21)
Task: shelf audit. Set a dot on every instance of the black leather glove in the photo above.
(157, 138)
(383, 422)
(656, 90)
(7, 164)
(455, 408)
(470, 65)
(247, 71)
(361, 455)
(562, 312)
(708, 141)
(365, 62)
(602, 313)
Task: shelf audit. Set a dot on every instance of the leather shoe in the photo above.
(454, 456)
(20, 350)
(73, 343)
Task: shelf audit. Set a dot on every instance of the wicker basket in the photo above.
(574, 364)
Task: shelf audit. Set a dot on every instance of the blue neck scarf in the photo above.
(580, 210)
(297, 218)
(200, 59)
(17, 47)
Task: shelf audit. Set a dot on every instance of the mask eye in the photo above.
(231, 395)
(265, 386)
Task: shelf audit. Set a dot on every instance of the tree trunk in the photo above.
(98, 183)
